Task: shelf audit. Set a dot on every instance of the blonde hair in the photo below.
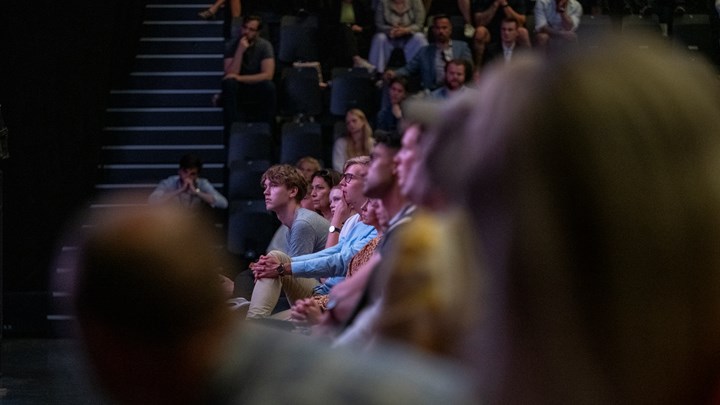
(366, 144)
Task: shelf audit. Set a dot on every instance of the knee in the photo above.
(542, 38)
(380, 39)
(482, 35)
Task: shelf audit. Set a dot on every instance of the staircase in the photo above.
(162, 112)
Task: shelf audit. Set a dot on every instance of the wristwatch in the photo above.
(334, 229)
(280, 269)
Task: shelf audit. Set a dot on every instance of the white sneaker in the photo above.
(359, 62)
(469, 31)
(238, 303)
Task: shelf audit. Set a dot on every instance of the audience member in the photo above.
(307, 231)
(209, 14)
(299, 277)
(508, 45)
(308, 311)
(341, 211)
(600, 239)
(452, 8)
(357, 141)
(308, 166)
(399, 24)
(322, 182)
(284, 188)
(248, 91)
(456, 75)
(489, 15)
(381, 183)
(389, 116)
(350, 25)
(431, 294)
(556, 21)
(176, 342)
(429, 63)
(188, 189)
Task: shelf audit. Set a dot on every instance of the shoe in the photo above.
(238, 303)
(359, 62)
(206, 14)
(469, 31)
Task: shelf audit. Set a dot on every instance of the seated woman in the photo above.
(399, 24)
(357, 141)
(322, 181)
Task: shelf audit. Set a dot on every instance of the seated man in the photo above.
(429, 63)
(489, 15)
(556, 21)
(456, 75)
(285, 187)
(187, 189)
(299, 276)
(248, 91)
(177, 343)
(509, 42)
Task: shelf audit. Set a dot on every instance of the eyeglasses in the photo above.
(348, 177)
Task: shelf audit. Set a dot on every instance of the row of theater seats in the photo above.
(251, 152)
(301, 94)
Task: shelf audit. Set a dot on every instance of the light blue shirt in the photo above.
(173, 183)
(333, 261)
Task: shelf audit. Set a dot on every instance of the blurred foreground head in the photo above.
(146, 293)
(593, 180)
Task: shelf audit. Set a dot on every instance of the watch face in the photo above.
(334, 229)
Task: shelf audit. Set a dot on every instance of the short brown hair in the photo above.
(288, 176)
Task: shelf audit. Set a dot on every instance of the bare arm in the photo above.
(511, 13)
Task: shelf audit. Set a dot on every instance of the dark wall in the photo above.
(58, 61)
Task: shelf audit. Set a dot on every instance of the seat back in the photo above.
(301, 92)
(298, 39)
(250, 228)
(353, 90)
(300, 139)
(249, 141)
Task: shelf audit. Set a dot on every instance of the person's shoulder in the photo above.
(170, 179)
(263, 44)
(310, 217)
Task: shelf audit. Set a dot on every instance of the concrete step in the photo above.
(152, 173)
(163, 135)
(179, 63)
(181, 45)
(182, 28)
(162, 98)
(176, 10)
(159, 116)
(175, 80)
(160, 153)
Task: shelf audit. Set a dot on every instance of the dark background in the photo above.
(58, 61)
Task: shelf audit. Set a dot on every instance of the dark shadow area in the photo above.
(58, 63)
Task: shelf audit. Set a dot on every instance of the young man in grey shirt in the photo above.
(284, 188)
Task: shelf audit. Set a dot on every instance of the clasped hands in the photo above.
(265, 267)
